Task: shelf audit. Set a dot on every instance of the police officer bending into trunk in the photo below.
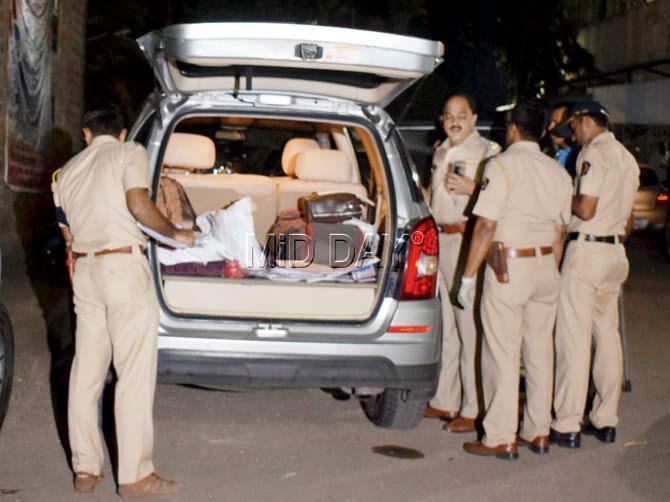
(594, 270)
(521, 214)
(99, 195)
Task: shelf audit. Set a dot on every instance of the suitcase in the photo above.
(331, 208)
(336, 245)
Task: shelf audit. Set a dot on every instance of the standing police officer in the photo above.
(99, 195)
(594, 270)
(456, 163)
(524, 202)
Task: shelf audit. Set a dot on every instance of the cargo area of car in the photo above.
(240, 182)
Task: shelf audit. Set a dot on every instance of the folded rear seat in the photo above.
(317, 170)
(209, 192)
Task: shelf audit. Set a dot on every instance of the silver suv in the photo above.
(275, 112)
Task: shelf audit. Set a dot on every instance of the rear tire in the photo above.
(6, 361)
(394, 409)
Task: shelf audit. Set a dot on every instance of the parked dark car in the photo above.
(651, 201)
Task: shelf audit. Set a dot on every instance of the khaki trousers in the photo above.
(593, 273)
(518, 319)
(457, 385)
(117, 321)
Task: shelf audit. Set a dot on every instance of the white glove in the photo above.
(466, 293)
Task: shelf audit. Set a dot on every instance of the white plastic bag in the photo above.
(233, 228)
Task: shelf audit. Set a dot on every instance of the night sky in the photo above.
(497, 51)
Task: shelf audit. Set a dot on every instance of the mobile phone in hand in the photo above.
(459, 168)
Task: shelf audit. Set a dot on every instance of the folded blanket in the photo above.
(195, 269)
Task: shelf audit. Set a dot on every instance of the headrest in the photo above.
(190, 150)
(292, 148)
(323, 165)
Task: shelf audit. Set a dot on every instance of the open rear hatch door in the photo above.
(362, 66)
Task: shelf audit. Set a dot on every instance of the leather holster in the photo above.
(497, 260)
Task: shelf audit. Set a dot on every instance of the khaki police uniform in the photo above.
(115, 303)
(459, 335)
(527, 194)
(592, 276)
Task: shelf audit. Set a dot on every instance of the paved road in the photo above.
(258, 445)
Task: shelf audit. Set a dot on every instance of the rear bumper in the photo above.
(184, 366)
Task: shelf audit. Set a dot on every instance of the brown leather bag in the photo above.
(497, 260)
(172, 201)
(286, 239)
(331, 208)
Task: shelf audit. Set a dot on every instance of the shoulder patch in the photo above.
(586, 165)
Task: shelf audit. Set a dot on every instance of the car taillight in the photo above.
(409, 329)
(662, 199)
(420, 280)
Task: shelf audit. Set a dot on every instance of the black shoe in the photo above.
(604, 435)
(565, 439)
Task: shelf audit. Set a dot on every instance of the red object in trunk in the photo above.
(233, 270)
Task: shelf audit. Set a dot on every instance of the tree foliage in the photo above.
(537, 45)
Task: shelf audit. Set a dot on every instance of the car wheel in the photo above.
(394, 409)
(6, 361)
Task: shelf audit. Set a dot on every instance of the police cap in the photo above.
(589, 108)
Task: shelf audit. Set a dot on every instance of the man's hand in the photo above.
(559, 244)
(69, 255)
(185, 236)
(466, 293)
(69, 263)
(459, 185)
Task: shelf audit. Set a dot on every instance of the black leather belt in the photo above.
(608, 239)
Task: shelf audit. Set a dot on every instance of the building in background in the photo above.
(42, 45)
(630, 42)
(25, 218)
